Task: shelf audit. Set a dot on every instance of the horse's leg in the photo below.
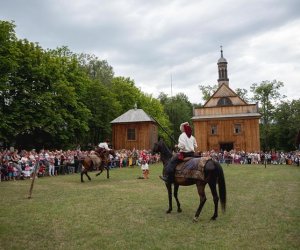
(213, 188)
(82, 172)
(176, 187)
(99, 172)
(88, 176)
(201, 192)
(169, 187)
(107, 173)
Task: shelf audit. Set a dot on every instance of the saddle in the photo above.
(192, 168)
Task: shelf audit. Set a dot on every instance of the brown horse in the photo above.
(213, 175)
(98, 160)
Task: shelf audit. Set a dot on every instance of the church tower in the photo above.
(222, 68)
(226, 121)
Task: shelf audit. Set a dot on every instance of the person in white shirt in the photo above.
(145, 170)
(104, 145)
(187, 145)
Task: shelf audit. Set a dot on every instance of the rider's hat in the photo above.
(182, 126)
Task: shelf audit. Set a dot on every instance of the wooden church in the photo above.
(134, 129)
(226, 121)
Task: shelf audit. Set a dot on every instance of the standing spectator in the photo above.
(10, 171)
(51, 164)
(56, 163)
(15, 158)
(145, 169)
(63, 166)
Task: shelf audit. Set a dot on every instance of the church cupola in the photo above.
(222, 68)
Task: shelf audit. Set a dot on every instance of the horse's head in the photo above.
(157, 147)
(112, 152)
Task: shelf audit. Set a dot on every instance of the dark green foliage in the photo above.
(179, 110)
(286, 126)
(58, 99)
(267, 95)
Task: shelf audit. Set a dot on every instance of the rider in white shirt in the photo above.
(104, 145)
(187, 145)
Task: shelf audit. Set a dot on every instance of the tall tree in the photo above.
(242, 93)
(125, 92)
(179, 109)
(267, 94)
(97, 69)
(41, 97)
(207, 91)
(8, 64)
(285, 127)
(104, 108)
(155, 109)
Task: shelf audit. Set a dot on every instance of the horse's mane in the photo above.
(165, 151)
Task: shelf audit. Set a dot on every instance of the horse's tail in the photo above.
(222, 186)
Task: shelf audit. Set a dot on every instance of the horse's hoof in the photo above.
(195, 219)
(213, 218)
(168, 211)
(179, 210)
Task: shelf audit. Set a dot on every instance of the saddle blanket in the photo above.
(193, 168)
(96, 160)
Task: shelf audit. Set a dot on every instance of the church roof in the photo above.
(224, 91)
(222, 59)
(133, 115)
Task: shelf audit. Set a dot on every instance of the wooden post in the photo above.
(33, 178)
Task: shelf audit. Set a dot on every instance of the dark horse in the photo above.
(99, 160)
(213, 175)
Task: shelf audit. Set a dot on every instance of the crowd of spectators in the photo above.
(241, 157)
(16, 164)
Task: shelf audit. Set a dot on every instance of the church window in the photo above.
(224, 101)
(213, 129)
(237, 128)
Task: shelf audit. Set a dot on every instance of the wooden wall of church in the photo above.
(145, 137)
(247, 140)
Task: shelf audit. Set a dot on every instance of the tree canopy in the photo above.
(58, 99)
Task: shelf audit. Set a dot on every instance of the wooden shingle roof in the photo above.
(133, 115)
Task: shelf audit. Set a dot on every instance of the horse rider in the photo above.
(102, 149)
(186, 145)
(104, 145)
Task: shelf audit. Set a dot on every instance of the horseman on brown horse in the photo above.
(185, 169)
(99, 159)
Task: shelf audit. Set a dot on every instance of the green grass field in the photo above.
(123, 212)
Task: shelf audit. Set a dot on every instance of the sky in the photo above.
(172, 46)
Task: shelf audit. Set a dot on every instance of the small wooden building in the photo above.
(226, 121)
(134, 129)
